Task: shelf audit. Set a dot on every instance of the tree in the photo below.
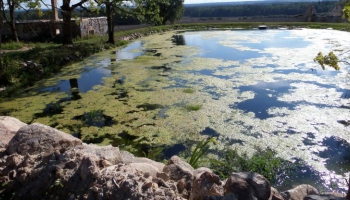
(331, 59)
(135, 8)
(171, 10)
(112, 6)
(66, 10)
(1, 30)
(11, 6)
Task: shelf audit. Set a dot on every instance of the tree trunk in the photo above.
(12, 21)
(110, 24)
(66, 28)
(1, 30)
(165, 19)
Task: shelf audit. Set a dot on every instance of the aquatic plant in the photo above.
(188, 90)
(263, 161)
(193, 107)
(200, 150)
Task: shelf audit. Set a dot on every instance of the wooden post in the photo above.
(54, 10)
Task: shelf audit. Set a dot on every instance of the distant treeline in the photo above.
(263, 9)
(205, 10)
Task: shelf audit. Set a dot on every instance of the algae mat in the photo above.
(247, 87)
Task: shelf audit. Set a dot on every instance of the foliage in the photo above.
(171, 10)
(263, 161)
(13, 45)
(346, 10)
(200, 150)
(331, 60)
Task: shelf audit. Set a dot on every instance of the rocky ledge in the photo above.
(40, 162)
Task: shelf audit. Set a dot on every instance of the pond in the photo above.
(248, 88)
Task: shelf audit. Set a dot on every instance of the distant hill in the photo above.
(258, 8)
(251, 2)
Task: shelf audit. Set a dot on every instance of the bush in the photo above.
(264, 162)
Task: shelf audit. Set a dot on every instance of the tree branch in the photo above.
(80, 4)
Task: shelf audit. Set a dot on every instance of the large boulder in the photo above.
(205, 183)
(40, 139)
(181, 172)
(248, 186)
(8, 128)
(323, 197)
(130, 158)
(44, 163)
(275, 195)
(299, 192)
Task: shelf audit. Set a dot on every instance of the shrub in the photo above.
(263, 161)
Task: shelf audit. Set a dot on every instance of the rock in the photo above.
(228, 196)
(145, 167)
(129, 158)
(182, 172)
(163, 176)
(299, 192)
(275, 195)
(40, 139)
(323, 197)
(248, 186)
(8, 128)
(178, 169)
(205, 183)
(88, 168)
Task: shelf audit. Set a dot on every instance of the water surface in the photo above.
(254, 88)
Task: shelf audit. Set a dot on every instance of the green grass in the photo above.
(200, 151)
(14, 45)
(193, 107)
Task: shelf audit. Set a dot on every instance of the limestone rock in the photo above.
(299, 192)
(37, 138)
(248, 186)
(182, 172)
(275, 195)
(228, 196)
(129, 158)
(145, 167)
(205, 183)
(323, 197)
(8, 128)
(177, 169)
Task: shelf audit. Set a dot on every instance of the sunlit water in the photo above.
(255, 88)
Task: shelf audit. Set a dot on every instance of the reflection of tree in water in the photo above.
(74, 89)
(179, 40)
(346, 94)
(337, 154)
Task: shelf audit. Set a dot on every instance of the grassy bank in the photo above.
(48, 58)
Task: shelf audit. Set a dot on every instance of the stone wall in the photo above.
(92, 26)
(33, 29)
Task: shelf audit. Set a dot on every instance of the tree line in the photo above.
(263, 9)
